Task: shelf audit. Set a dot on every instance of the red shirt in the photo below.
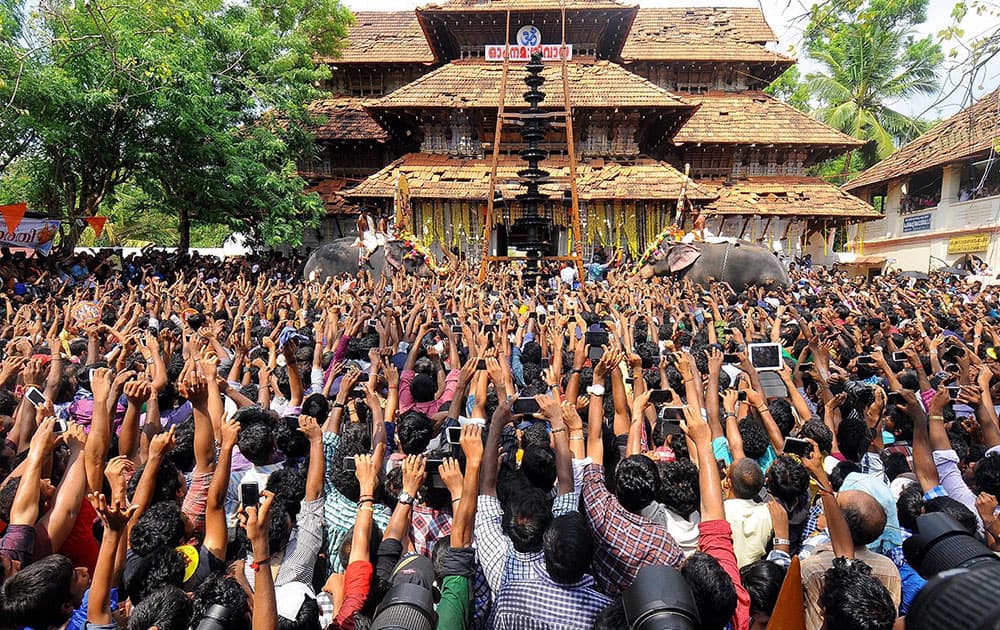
(716, 539)
(357, 583)
(81, 547)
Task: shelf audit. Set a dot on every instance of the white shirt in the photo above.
(568, 275)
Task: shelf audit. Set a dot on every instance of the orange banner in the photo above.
(12, 215)
(97, 223)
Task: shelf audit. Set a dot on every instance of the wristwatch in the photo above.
(780, 541)
(405, 497)
(596, 389)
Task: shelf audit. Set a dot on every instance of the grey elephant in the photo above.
(739, 263)
(340, 256)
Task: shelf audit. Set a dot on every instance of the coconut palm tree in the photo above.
(867, 66)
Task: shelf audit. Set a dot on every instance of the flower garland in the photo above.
(417, 252)
(647, 256)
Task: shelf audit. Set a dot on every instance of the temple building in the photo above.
(666, 103)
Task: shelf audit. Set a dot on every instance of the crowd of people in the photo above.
(191, 443)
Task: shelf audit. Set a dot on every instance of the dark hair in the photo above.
(840, 472)
(422, 388)
(866, 517)
(317, 406)
(290, 441)
(755, 440)
(853, 599)
(746, 478)
(910, 505)
(987, 475)
(895, 465)
(853, 437)
(37, 595)
(225, 591)
(415, 431)
(637, 482)
(182, 454)
(168, 482)
(763, 580)
(161, 567)
(820, 433)
(307, 617)
(781, 411)
(288, 486)
(679, 489)
(256, 443)
(787, 479)
(525, 519)
(166, 608)
(962, 515)
(159, 526)
(538, 465)
(568, 544)
(713, 590)
(374, 542)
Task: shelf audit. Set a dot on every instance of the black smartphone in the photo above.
(797, 446)
(541, 318)
(60, 426)
(532, 315)
(292, 422)
(454, 435)
(372, 324)
(249, 494)
(865, 359)
(142, 340)
(595, 353)
(35, 396)
(660, 396)
(672, 414)
(349, 464)
(900, 357)
(525, 407)
(435, 324)
(742, 396)
(895, 398)
(481, 364)
(730, 358)
(806, 367)
(489, 328)
(954, 391)
(456, 330)
(545, 364)
(596, 338)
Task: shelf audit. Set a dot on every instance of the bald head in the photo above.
(746, 478)
(865, 516)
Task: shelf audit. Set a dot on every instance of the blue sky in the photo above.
(783, 16)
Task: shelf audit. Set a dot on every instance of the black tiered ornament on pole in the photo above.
(533, 230)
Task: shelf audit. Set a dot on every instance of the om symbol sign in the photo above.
(529, 36)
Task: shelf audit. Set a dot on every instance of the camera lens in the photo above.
(660, 599)
(939, 544)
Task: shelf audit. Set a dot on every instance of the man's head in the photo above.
(755, 440)
(256, 443)
(414, 431)
(713, 590)
(853, 599)
(865, 517)
(636, 482)
(166, 608)
(222, 590)
(525, 519)
(988, 475)
(568, 544)
(43, 594)
(745, 478)
(788, 480)
(538, 464)
(422, 388)
(679, 489)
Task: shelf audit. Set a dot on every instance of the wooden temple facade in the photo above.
(654, 92)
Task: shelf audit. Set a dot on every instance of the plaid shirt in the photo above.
(496, 553)
(542, 604)
(428, 526)
(338, 511)
(625, 542)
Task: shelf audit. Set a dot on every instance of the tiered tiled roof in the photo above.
(514, 5)
(971, 131)
(346, 119)
(442, 177)
(701, 34)
(473, 84)
(787, 196)
(754, 118)
(385, 37)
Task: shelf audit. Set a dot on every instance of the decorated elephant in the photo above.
(739, 263)
(340, 256)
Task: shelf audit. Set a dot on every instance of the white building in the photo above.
(940, 194)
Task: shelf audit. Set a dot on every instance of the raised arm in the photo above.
(70, 492)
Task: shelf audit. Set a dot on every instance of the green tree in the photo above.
(790, 88)
(870, 61)
(169, 96)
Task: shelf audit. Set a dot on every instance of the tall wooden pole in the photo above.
(488, 220)
(575, 228)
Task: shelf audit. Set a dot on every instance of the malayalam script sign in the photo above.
(917, 223)
(968, 244)
(36, 234)
(550, 52)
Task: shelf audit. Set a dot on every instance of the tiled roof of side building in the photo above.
(477, 84)
(787, 196)
(434, 176)
(754, 117)
(971, 131)
(691, 34)
(385, 37)
(344, 118)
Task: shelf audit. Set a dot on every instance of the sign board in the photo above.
(550, 52)
(32, 233)
(968, 244)
(916, 223)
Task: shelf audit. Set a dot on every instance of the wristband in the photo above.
(729, 414)
(454, 501)
(338, 405)
(936, 417)
(257, 564)
(577, 437)
(780, 541)
(559, 430)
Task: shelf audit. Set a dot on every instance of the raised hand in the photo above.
(310, 428)
(414, 474)
(114, 514)
(472, 442)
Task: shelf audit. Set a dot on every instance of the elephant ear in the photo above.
(680, 257)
